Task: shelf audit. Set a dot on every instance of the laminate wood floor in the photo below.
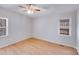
(35, 46)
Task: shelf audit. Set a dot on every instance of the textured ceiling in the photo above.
(51, 8)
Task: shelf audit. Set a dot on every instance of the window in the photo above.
(3, 27)
(65, 26)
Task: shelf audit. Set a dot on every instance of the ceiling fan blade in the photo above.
(37, 9)
(21, 6)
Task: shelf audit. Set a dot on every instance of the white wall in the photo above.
(78, 30)
(19, 27)
(46, 27)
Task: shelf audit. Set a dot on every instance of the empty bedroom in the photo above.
(39, 29)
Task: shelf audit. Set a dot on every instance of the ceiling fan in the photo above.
(30, 8)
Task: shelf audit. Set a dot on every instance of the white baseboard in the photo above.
(53, 41)
(14, 42)
(56, 42)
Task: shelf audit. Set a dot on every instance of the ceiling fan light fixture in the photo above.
(30, 12)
